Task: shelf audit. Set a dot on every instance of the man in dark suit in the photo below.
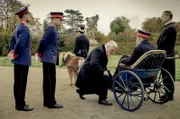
(19, 49)
(94, 77)
(167, 41)
(81, 46)
(48, 53)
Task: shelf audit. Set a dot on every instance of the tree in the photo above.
(153, 25)
(120, 24)
(178, 26)
(7, 16)
(73, 19)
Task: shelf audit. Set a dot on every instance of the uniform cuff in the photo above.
(15, 55)
(39, 55)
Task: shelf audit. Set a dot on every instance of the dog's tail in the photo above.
(81, 61)
(61, 58)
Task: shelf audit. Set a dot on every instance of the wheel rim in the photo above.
(162, 88)
(128, 90)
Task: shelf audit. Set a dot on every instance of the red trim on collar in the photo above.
(23, 22)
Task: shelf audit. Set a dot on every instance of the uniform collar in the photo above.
(145, 41)
(23, 22)
(167, 23)
(52, 24)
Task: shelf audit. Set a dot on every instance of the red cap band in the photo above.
(57, 16)
(24, 12)
(143, 35)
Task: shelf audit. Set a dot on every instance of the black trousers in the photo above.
(99, 87)
(103, 90)
(169, 65)
(49, 83)
(20, 81)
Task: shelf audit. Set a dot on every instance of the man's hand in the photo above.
(37, 57)
(106, 73)
(10, 55)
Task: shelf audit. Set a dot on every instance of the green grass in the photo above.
(4, 61)
(112, 64)
(177, 48)
(114, 60)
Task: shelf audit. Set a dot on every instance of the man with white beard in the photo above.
(142, 46)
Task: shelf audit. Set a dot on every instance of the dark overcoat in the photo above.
(166, 41)
(91, 75)
(142, 48)
(81, 46)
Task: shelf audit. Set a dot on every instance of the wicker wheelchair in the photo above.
(142, 81)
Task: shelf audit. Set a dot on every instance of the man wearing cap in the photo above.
(48, 53)
(167, 41)
(19, 49)
(81, 46)
(142, 46)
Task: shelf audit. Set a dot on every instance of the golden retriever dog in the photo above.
(73, 64)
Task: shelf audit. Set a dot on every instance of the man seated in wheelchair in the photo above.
(142, 46)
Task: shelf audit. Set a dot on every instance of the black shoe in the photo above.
(104, 102)
(80, 94)
(45, 105)
(166, 98)
(171, 98)
(24, 108)
(54, 106)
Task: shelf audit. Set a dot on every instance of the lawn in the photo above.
(114, 60)
(111, 65)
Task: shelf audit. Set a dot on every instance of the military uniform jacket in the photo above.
(93, 68)
(81, 45)
(48, 46)
(167, 39)
(20, 43)
(142, 48)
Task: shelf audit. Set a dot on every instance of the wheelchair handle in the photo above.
(177, 56)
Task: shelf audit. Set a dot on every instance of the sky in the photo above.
(135, 10)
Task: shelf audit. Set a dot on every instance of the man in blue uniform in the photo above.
(19, 48)
(48, 53)
(167, 41)
(142, 46)
(81, 46)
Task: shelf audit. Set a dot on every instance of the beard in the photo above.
(138, 42)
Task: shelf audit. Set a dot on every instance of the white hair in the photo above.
(111, 43)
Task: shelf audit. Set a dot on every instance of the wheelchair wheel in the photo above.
(128, 90)
(162, 90)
